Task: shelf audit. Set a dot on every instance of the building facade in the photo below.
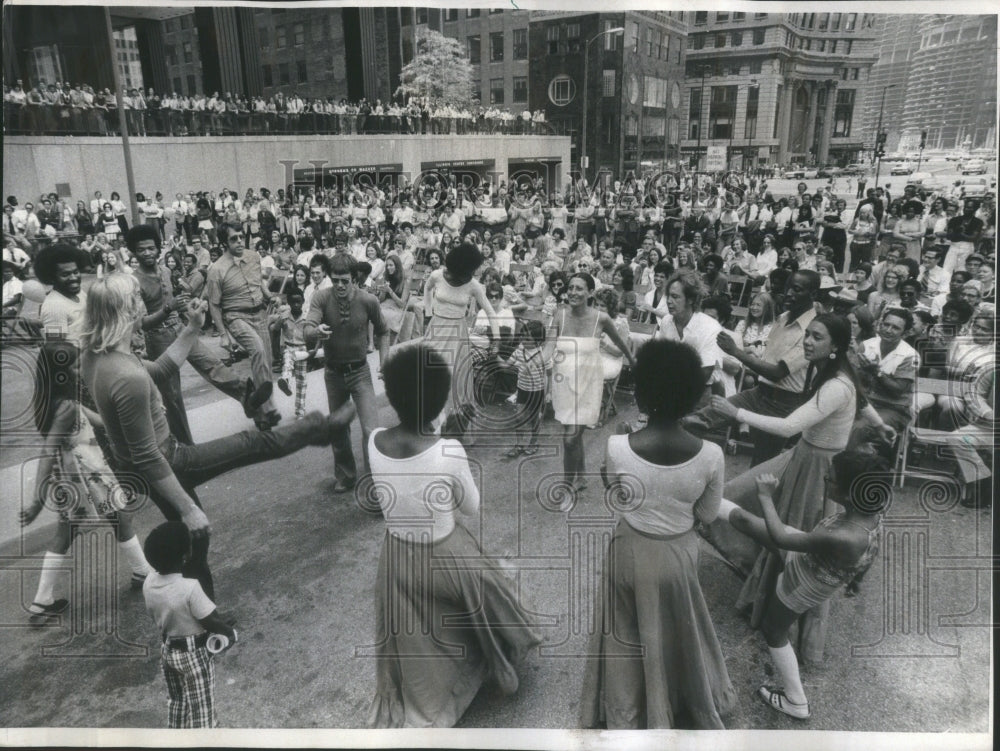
(302, 51)
(620, 74)
(898, 40)
(951, 90)
(777, 88)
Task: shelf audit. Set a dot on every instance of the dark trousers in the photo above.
(762, 399)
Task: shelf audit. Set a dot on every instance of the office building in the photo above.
(898, 40)
(777, 88)
(627, 84)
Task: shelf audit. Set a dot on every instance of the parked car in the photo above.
(954, 156)
(974, 167)
(829, 172)
(973, 187)
(856, 169)
(903, 168)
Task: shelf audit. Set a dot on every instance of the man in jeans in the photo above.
(238, 298)
(781, 371)
(162, 325)
(340, 315)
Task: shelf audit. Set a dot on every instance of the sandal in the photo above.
(47, 613)
(514, 452)
(777, 700)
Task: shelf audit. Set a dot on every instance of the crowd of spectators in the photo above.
(78, 109)
(921, 288)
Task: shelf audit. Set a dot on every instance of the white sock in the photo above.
(788, 667)
(133, 554)
(52, 565)
(726, 508)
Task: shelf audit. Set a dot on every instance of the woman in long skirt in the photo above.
(446, 616)
(656, 662)
(825, 422)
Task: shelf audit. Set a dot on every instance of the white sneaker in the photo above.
(777, 700)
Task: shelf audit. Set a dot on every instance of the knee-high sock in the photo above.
(52, 565)
(133, 554)
(788, 667)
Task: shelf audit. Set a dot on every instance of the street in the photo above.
(296, 567)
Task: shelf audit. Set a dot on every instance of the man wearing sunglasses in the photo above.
(238, 299)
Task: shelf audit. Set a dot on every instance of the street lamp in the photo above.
(586, 86)
(756, 86)
(878, 132)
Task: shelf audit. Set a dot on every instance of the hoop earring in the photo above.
(833, 355)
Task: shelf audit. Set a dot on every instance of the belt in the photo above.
(187, 643)
(254, 309)
(347, 367)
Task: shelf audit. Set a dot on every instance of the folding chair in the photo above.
(740, 287)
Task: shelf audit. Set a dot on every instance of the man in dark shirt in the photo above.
(964, 232)
(340, 315)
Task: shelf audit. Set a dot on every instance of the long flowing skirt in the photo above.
(446, 619)
(801, 502)
(656, 661)
(450, 336)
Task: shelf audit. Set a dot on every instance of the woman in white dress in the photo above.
(578, 372)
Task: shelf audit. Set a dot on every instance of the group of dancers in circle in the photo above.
(806, 522)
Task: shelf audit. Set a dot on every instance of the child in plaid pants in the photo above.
(186, 616)
(530, 364)
(295, 355)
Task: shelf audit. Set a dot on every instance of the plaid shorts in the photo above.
(190, 688)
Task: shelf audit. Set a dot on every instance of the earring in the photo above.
(833, 355)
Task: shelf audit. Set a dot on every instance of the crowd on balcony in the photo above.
(66, 109)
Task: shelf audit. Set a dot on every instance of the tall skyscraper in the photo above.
(898, 40)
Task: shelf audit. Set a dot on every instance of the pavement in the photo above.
(296, 565)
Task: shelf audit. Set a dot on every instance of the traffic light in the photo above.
(923, 139)
(880, 144)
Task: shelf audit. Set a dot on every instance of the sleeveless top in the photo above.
(831, 573)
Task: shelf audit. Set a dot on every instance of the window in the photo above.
(833, 46)
(451, 14)
(694, 106)
(552, 39)
(632, 31)
(280, 37)
(496, 47)
(562, 89)
(721, 109)
(824, 21)
(756, 67)
(268, 75)
(188, 52)
(177, 85)
(733, 69)
(473, 13)
(850, 21)
(192, 88)
(520, 44)
(739, 16)
(284, 75)
(835, 22)
(843, 113)
(298, 34)
(649, 41)
(171, 54)
(654, 92)
(496, 91)
(520, 90)
(854, 73)
(750, 126)
(608, 129)
(720, 40)
(573, 31)
(847, 47)
(699, 41)
(700, 18)
(759, 16)
(475, 50)
(608, 87)
(821, 45)
(721, 17)
(737, 38)
(758, 36)
(421, 16)
(497, 10)
(631, 125)
(300, 71)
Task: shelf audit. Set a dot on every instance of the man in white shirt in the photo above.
(319, 278)
(685, 323)
(933, 279)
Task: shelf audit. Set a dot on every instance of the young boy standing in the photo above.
(186, 616)
(294, 351)
(530, 364)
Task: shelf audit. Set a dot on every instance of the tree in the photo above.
(440, 71)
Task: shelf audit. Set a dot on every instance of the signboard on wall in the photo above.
(715, 158)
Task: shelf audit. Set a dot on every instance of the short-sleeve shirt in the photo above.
(235, 284)
(59, 313)
(784, 344)
(348, 341)
(902, 362)
(700, 333)
(176, 604)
